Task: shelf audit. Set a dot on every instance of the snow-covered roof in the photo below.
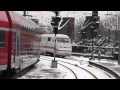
(53, 35)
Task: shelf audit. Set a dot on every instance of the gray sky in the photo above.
(64, 13)
(45, 16)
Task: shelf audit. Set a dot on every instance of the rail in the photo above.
(76, 66)
(106, 69)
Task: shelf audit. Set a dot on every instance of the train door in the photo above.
(17, 53)
(43, 44)
(48, 43)
(51, 44)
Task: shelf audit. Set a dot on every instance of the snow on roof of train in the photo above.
(52, 35)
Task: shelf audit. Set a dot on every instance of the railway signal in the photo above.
(93, 30)
(55, 23)
(94, 27)
(83, 35)
(95, 23)
(95, 13)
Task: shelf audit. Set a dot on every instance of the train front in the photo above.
(63, 46)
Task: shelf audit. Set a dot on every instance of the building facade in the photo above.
(67, 27)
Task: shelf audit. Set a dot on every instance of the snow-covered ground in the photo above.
(43, 70)
(82, 58)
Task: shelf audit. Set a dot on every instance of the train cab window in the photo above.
(2, 39)
(49, 39)
(59, 40)
(64, 40)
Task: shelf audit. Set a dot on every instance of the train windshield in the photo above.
(65, 40)
(2, 39)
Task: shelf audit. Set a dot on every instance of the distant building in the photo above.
(67, 27)
(86, 27)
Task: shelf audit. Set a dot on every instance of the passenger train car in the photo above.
(19, 42)
(62, 47)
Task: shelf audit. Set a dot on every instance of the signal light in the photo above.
(83, 35)
(55, 23)
(94, 25)
(94, 28)
(95, 13)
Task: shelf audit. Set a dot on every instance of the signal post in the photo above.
(55, 23)
(94, 26)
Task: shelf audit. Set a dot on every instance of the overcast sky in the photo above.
(64, 13)
(45, 16)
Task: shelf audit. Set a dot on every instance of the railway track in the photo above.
(106, 70)
(76, 69)
(89, 69)
(67, 68)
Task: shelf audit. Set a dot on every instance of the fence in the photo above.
(113, 51)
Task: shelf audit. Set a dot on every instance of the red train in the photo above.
(19, 37)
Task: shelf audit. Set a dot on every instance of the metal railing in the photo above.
(87, 49)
